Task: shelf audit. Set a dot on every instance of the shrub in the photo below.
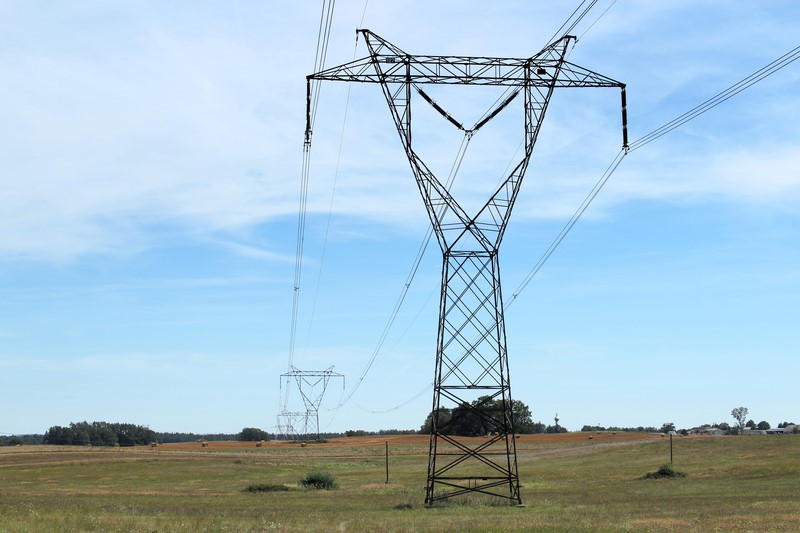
(266, 487)
(665, 470)
(319, 480)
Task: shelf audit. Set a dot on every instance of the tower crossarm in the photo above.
(388, 64)
(546, 68)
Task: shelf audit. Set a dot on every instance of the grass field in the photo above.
(570, 483)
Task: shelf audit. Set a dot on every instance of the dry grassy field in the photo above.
(414, 440)
(571, 482)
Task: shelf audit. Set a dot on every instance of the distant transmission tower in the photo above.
(311, 384)
(471, 376)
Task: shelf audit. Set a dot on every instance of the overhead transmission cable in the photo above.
(323, 36)
(574, 19)
(714, 101)
(333, 193)
(597, 20)
(693, 113)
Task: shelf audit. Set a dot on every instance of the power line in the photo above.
(575, 22)
(333, 196)
(597, 20)
(714, 101)
(323, 36)
(312, 95)
(568, 226)
(428, 387)
(693, 113)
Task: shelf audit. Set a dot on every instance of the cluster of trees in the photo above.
(253, 435)
(480, 418)
(740, 415)
(165, 438)
(100, 434)
(110, 434)
(637, 429)
(364, 433)
(665, 428)
(14, 440)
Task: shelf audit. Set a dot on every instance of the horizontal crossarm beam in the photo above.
(453, 70)
(542, 70)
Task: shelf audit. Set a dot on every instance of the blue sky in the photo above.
(150, 186)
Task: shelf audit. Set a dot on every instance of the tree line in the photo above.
(100, 434)
(123, 434)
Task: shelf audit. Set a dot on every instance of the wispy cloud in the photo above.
(198, 128)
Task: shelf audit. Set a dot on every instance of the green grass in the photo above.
(732, 483)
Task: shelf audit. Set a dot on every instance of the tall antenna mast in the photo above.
(471, 372)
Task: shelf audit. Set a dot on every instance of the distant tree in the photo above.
(397, 431)
(667, 427)
(522, 418)
(750, 424)
(444, 417)
(763, 425)
(466, 422)
(356, 433)
(81, 438)
(253, 435)
(464, 419)
(555, 429)
(724, 426)
(740, 415)
(538, 427)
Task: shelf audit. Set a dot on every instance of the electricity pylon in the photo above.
(312, 385)
(472, 373)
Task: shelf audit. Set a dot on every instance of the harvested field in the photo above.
(569, 483)
(412, 440)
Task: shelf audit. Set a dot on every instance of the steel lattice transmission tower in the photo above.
(311, 384)
(472, 373)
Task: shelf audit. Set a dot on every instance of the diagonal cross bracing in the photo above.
(312, 385)
(471, 373)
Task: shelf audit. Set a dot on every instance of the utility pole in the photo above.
(471, 371)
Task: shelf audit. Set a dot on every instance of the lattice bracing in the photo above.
(471, 373)
(312, 385)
